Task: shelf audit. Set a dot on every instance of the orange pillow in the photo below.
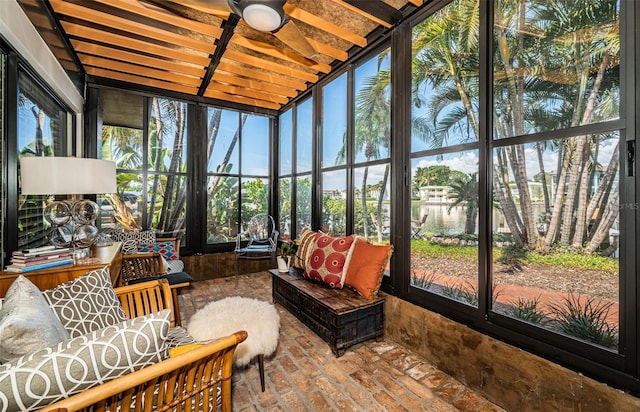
(367, 266)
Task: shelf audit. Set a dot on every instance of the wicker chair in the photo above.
(141, 267)
(192, 381)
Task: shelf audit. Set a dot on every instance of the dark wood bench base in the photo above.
(341, 317)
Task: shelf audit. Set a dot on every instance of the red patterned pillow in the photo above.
(327, 259)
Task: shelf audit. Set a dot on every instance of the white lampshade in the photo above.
(67, 176)
(262, 17)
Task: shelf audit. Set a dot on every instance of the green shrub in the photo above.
(527, 310)
(586, 319)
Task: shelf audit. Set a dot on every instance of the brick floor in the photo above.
(303, 375)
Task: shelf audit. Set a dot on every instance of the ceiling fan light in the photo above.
(262, 17)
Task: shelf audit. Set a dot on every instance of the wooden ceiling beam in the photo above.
(328, 50)
(278, 53)
(243, 91)
(216, 94)
(379, 9)
(143, 71)
(154, 12)
(324, 25)
(271, 66)
(113, 75)
(363, 13)
(416, 3)
(232, 78)
(139, 59)
(137, 29)
(95, 35)
(230, 66)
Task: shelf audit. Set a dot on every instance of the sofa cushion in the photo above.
(27, 323)
(367, 266)
(75, 365)
(327, 259)
(87, 303)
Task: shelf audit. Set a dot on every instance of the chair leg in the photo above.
(261, 367)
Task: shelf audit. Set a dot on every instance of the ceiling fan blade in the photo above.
(291, 35)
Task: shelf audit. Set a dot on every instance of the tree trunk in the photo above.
(545, 189)
(363, 200)
(556, 211)
(154, 188)
(380, 200)
(508, 209)
(602, 232)
(583, 190)
(599, 197)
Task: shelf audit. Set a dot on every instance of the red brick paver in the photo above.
(303, 375)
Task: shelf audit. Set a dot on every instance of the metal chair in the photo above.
(262, 239)
(416, 227)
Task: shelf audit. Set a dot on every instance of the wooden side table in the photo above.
(101, 256)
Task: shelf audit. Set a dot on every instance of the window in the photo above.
(42, 131)
(237, 171)
(296, 154)
(559, 198)
(444, 172)
(150, 161)
(539, 259)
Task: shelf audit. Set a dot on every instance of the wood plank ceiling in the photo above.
(186, 47)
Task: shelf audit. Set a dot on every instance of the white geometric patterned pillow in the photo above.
(86, 304)
(131, 240)
(73, 366)
(27, 323)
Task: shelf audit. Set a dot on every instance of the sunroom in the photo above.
(491, 143)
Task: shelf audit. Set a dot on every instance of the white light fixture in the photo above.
(261, 17)
(66, 176)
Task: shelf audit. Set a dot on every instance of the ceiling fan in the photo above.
(263, 15)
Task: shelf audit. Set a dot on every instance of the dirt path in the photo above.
(546, 278)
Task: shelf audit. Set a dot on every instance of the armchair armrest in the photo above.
(182, 382)
(143, 298)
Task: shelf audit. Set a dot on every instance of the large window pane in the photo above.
(556, 234)
(222, 208)
(286, 142)
(303, 202)
(254, 198)
(167, 136)
(166, 204)
(444, 230)
(304, 134)
(255, 145)
(222, 148)
(167, 192)
(334, 122)
(556, 65)
(371, 193)
(42, 131)
(334, 202)
(373, 109)
(284, 207)
(445, 78)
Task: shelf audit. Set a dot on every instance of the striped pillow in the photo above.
(305, 246)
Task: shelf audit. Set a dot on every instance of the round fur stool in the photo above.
(223, 317)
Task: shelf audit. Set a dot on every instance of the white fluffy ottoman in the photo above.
(223, 317)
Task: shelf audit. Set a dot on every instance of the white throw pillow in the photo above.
(27, 323)
(60, 371)
(87, 303)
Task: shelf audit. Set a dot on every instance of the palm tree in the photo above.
(464, 193)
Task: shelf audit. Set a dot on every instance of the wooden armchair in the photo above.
(192, 381)
(141, 267)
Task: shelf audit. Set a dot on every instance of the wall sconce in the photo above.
(73, 220)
